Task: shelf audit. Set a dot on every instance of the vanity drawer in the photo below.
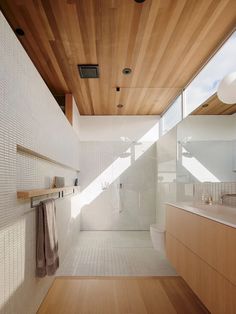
(214, 242)
(216, 292)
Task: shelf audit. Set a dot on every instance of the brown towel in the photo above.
(47, 260)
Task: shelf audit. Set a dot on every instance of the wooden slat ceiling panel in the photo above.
(213, 106)
(164, 42)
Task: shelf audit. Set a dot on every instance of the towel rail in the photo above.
(32, 205)
(60, 195)
(31, 194)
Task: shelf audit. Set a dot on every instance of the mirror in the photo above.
(206, 148)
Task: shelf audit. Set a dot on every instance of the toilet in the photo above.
(158, 237)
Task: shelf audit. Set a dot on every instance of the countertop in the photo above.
(220, 213)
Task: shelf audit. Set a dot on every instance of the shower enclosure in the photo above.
(125, 176)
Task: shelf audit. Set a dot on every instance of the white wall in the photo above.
(75, 118)
(29, 116)
(114, 128)
(207, 128)
(114, 151)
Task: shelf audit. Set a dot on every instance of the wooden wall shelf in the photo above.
(40, 192)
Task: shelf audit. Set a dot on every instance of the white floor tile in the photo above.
(114, 253)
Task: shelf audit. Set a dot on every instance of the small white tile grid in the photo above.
(216, 190)
(115, 253)
(29, 116)
(33, 172)
(133, 207)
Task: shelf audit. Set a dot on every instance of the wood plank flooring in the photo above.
(120, 295)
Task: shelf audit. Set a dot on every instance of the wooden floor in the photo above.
(126, 295)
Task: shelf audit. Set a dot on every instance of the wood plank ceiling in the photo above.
(164, 42)
(213, 106)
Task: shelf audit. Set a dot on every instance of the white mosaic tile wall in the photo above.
(30, 117)
(216, 190)
(128, 201)
(188, 192)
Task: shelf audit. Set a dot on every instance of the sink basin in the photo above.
(220, 213)
(215, 208)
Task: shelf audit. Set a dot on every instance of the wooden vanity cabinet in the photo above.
(204, 254)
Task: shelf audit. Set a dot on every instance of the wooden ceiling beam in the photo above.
(69, 107)
(213, 106)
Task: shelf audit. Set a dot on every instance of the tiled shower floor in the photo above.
(114, 253)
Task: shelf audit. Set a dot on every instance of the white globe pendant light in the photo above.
(227, 89)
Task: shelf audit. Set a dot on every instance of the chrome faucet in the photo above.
(226, 195)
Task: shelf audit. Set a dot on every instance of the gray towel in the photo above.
(47, 260)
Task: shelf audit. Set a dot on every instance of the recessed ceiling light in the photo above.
(139, 1)
(126, 71)
(120, 106)
(205, 105)
(19, 32)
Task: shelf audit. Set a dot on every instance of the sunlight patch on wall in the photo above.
(147, 140)
(111, 173)
(201, 173)
(102, 182)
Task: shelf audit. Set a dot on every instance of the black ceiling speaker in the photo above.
(88, 71)
(19, 32)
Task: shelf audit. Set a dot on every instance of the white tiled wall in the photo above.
(216, 190)
(118, 169)
(129, 200)
(29, 116)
